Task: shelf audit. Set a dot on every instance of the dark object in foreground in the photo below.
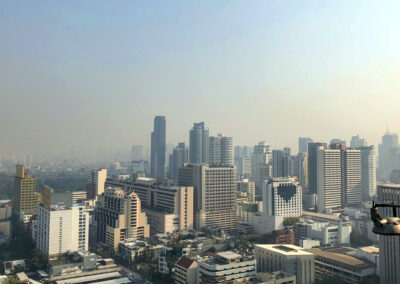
(387, 226)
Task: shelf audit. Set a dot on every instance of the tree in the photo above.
(39, 260)
(289, 221)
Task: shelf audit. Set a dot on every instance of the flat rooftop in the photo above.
(370, 249)
(289, 250)
(341, 257)
(320, 215)
(229, 255)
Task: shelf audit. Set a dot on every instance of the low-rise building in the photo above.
(185, 271)
(283, 236)
(289, 258)
(225, 267)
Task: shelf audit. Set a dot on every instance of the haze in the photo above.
(82, 79)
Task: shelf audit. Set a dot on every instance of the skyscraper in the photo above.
(95, 186)
(214, 194)
(303, 144)
(26, 199)
(337, 141)
(329, 178)
(388, 151)
(28, 161)
(178, 157)
(262, 155)
(220, 150)
(312, 165)
(157, 162)
(300, 169)
(198, 148)
(137, 153)
(277, 163)
(368, 171)
(356, 142)
(352, 178)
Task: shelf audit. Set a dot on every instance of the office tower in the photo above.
(262, 155)
(282, 197)
(388, 151)
(220, 150)
(243, 166)
(389, 246)
(247, 188)
(312, 165)
(226, 267)
(352, 187)
(141, 166)
(95, 186)
(177, 159)
(238, 152)
(137, 153)
(168, 208)
(303, 144)
(277, 163)
(28, 161)
(288, 258)
(356, 142)
(214, 194)
(26, 199)
(337, 141)
(198, 146)
(157, 159)
(247, 151)
(62, 229)
(118, 216)
(329, 178)
(300, 168)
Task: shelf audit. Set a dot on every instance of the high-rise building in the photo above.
(28, 161)
(215, 194)
(329, 178)
(289, 258)
(277, 163)
(389, 246)
(177, 159)
(282, 197)
(300, 169)
(262, 155)
(337, 141)
(356, 142)
(303, 144)
(95, 185)
(247, 188)
(62, 229)
(157, 162)
(118, 216)
(137, 153)
(352, 182)
(198, 146)
(243, 166)
(220, 150)
(312, 165)
(26, 199)
(388, 152)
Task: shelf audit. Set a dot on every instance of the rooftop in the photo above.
(342, 258)
(185, 262)
(229, 255)
(370, 249)
(320, 215)
(289, 250)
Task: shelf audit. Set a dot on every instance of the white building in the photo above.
(225, 267)
(62, 229)
(289, 258)
(282, 197)
(329, 234)
(329, 179)
(261, 155)
(352, 179)
(368, 171)
(220, 150)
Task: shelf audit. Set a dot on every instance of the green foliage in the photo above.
(328, 280)
(358, 240)
(289, 221)
(257, 239)
(39, 260)
(11, 280)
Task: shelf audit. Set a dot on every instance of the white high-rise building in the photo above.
(356, 142)
(198, 146)
(215, 193)
(352, 193)
(329, 179)
(261, 155)
(220, 150)
(282, 197)
(368, 171)
(62, 229)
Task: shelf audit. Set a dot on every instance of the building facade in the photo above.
(158, 136)
(198, 146)
(26, 198)
(220, 150)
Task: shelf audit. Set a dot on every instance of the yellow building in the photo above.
(26, 198)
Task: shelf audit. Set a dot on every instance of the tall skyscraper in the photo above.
(26, 199)
(220, 150)
(118, 216)
(95, 186)
(356, 142)
(329, 178)
(389, 246)
(352, 193)
(177, 159)
(368, 171)
(198, 148)
(277, 163)
(137, 153)
(214, 194)
(388, 151)
(303, 144)
(62, 229)
(312, 165)
(262, 155)
(157, 162)
(300, 169)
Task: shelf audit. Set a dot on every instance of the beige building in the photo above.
(289, 258)
(215, 194)
(185, 271)
(119, 216)
(26, 199)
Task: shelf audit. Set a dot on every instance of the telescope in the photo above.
(389, 226)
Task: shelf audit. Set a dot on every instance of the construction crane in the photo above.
(385, 226)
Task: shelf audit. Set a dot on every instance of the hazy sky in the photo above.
(87, 76)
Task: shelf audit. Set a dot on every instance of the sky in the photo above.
(82, 78)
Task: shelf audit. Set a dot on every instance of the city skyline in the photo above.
(89, 79)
